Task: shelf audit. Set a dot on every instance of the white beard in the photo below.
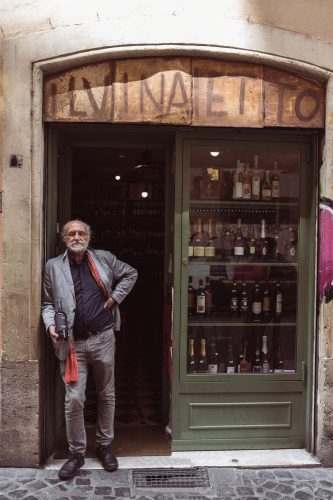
(77, 247)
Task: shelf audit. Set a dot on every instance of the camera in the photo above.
(61, 325)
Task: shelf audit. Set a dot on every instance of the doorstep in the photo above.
(235, 458)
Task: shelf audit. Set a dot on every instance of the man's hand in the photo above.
(54, 336)
(109, 303)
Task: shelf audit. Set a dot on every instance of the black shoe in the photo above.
(70, 468)
(108, 460)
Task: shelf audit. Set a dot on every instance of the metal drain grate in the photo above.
(196, 477)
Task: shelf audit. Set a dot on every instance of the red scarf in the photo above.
(72, 371)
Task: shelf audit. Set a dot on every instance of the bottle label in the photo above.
(256, 307)
(209, 251)
(199, 251)
(275, 189)
(212, 368)
(231, 369)
(234, 304)
(278, 304)
(264, 251)
(201, 301)
(256, 186)
(190, 251)
(238, 251)
(190, 300)
(266, 193)
(247, 191)
(252, 250)
(292, 251)
(265, 367)
(209, 301)
(266, 304)
(239, 190)
(244, 305)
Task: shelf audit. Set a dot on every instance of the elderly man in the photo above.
(87, 285)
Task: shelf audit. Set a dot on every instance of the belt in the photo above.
(91, 333)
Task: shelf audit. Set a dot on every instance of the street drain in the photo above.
(196, 477)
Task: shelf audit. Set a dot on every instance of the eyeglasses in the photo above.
(71, 234)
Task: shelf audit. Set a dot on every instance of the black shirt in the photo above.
(90, 314)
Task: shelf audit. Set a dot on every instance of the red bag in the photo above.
(72, 370)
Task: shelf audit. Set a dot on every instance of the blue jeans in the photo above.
(98, 353)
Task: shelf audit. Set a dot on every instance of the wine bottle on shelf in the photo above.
(231, 365)
(211, 243)
(244, 302)
(191, 364)
(262, 242)
(209, 306)
(251, 245)
(234, 300)
(256, 361)
(255, 180)
(278, 359)
(256, 303)
(278, 302)
(276, 238)
(247, 183)
(191, 297)
(290, 250)
(201, 298)
(264, 355)
(238, 182)
(228, 245)
(213, 358)
(239, 245)
(275, 182)
(240, 356)
(266, 303)
(200, 240)
(244, 364)
(202, 361)
(266, 189)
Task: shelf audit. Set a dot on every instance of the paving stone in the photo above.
(226, 491)
(103, 490)
(325, 483)
(82, 481)
(270, 485)
(122, 492)
(303, 495)
(244, 490)
(37, 485)
(322, 493)
(286, 489)
(272, 495)
(18, 493)
(266, 474)
(304, 474)
(282, 473)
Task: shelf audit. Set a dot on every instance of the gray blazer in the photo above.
(118, 277)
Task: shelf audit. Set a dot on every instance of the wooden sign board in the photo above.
(184, 91)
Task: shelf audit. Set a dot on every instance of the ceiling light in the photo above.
(215, 153)
(117, 177)
(144, 194)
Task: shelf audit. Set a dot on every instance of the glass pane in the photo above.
(243, 260)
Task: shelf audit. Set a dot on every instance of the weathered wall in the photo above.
(52, 36)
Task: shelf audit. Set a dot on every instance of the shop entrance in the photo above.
(121, 189)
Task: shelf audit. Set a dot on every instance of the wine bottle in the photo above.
(201, 298)
(290, 249)
(213, 358)
(264, 355)
(251, 245)
(256, 362)
(256, 303)
(244, 302)
(266, 304)
(191, 297)
(262, 242)
(231, 366)
(275, 182)
(191, 364)
(266, 189)
(209, 298)
(278, 359)
(202, 361)
(244, 364)
(239, 245)
(211, 243)
(190, 246)
(278, 302)
(240, 356)
(247, 183)
(255, 180)
(228, 245)
(200, 240)
(238, 182)
(234, 300)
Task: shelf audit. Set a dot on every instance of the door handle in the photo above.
(185, 262)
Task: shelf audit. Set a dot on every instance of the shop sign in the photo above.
(184, 91)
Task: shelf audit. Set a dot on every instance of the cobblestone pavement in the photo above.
(225, 483)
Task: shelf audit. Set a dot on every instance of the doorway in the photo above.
(121, 190)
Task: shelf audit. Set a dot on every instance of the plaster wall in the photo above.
(25, 59)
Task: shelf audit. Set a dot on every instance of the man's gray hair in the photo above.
(64, 227)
